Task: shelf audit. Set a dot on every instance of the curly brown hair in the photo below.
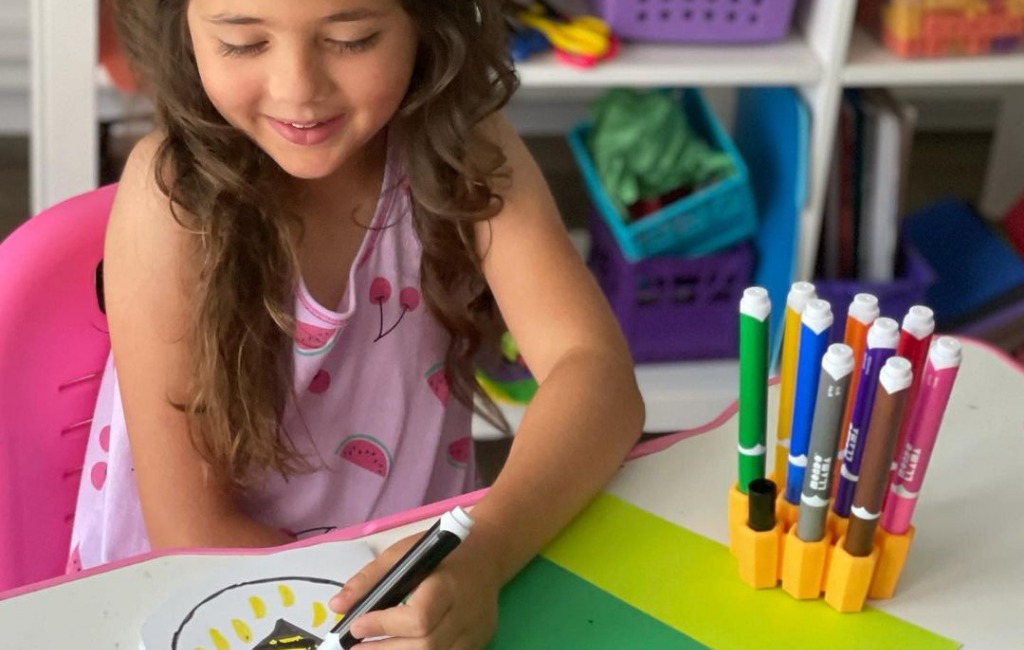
(226, 190)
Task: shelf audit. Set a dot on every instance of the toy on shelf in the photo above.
(579, 41)
(502, 372)
(935, 28)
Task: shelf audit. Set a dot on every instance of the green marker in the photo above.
(754, 311)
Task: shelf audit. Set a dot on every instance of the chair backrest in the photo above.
(53, 348)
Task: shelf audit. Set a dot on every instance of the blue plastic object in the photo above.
(709, 220)
(525, 42)
(974, 267)
(772, 134)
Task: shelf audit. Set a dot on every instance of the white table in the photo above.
(964, 578)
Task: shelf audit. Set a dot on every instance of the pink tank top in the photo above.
(372, 412)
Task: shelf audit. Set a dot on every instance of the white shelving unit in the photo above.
(789, 63)
(870, 64)
(825, 54)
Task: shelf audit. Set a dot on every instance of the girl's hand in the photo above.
(456, 607)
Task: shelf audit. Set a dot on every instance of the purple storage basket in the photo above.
(673, 308)
(698, 21)
(914, 278)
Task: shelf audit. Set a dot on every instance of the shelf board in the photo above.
(871, 64)
(786, 63)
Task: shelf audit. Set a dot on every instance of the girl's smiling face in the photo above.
(310, 81)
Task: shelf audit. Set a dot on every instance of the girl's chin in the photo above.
(307, 170)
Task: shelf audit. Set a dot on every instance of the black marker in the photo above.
(417, 563)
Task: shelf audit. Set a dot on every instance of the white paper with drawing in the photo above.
(258, 602)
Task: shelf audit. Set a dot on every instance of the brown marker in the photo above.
(893, 382)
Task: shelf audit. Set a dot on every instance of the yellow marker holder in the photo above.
(738, 504)
(806, 570)
(892, 555)
(803, 568)
(836, 525)
(849, 578)
(786, 512)
(757, 555)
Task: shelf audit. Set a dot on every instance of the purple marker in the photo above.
(883, 338)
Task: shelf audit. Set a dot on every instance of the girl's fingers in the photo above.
(445, 637)
(358, 585)
(422, 617)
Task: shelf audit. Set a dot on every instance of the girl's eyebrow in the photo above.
(351, 15)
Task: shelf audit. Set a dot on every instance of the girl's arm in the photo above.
(146, 277)
(587, 412)
(579, 426)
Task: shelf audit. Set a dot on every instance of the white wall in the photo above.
(14, 48)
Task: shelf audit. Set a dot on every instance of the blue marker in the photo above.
(815, 327)
(883, 337)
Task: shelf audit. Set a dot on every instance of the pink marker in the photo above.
(915, 339)
(936, 384)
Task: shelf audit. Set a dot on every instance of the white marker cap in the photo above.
(864, 308)
(896, 374)
(919, 321)
(457, 521)
(884, 333)
(838, 360)
(817, 315)
(799, 294)
(755, 303)
(946, 352)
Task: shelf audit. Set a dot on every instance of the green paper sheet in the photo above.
(689, 582)
(547, 607)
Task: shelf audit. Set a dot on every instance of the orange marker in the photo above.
(861, 314)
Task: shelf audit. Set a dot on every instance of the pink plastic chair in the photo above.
(53, 348)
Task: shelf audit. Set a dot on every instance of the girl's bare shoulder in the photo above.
(146, 245)
(142, 219)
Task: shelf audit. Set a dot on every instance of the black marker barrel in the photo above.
(417, 563)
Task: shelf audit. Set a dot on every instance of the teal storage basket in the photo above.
(709, 220)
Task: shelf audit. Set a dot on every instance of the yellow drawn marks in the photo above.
(287, 595)
(218, 639)
(242, 630)
(319, 614)
(259, 608)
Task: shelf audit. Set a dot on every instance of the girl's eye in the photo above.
(227, 49)
(361, 45)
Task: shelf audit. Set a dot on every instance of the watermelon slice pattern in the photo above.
(438, 382)
(312, 340)
(458, 452)
(366, 452)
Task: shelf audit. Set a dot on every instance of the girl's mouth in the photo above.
(307, 133)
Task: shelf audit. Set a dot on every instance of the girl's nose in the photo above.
(297, 77)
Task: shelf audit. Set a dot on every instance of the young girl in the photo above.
(301, 263)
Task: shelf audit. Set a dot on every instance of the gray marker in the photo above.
(833, 386)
